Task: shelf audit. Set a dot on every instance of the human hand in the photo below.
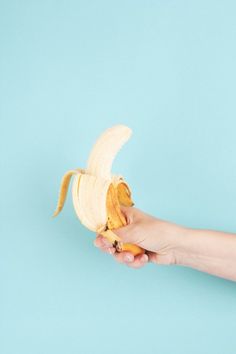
(159, 238)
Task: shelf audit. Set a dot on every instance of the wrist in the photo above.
(176, 240)
(184, 245)
(192, 247)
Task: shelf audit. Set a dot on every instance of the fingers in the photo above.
(129, 233)
(125, 257)
(131, 261)
(139, 261)
(130, 213)
(104, 245)
(101, 241)
(126, 233)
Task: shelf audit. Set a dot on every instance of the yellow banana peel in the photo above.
(97, 194)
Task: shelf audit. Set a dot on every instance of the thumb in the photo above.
(127, 233)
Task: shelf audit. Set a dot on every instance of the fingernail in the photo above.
(128, 258)
(106, 242)
(144, 258)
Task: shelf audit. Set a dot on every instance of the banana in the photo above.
(97, 194)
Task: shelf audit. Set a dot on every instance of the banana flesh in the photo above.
(97, 194)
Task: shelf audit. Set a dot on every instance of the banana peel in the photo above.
(97, 194)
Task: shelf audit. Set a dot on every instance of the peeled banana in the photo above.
(97, 194)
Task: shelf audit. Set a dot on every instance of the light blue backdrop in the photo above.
(69, 70)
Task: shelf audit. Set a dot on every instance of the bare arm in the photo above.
(209, 251)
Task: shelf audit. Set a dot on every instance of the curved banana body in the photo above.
(97, 194)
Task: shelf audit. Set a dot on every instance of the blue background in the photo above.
(69, 70)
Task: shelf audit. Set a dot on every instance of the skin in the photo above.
(209, 251)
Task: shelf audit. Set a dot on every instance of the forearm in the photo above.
(209, 251)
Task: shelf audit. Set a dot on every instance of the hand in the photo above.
(158, 237)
